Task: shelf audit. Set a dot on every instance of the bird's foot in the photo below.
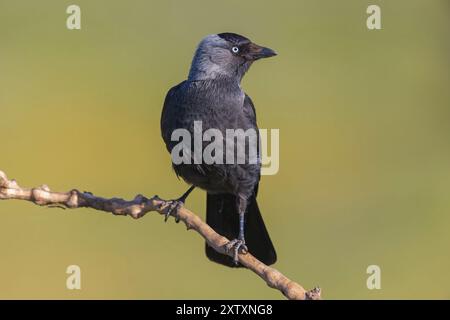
(237, 245)
(175, 205)
(172, 210)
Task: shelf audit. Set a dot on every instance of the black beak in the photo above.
(256, 52)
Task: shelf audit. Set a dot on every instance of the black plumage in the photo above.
(213, 95)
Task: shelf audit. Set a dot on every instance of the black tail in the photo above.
(223, 217)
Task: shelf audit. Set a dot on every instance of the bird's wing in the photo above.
(250, 112)
(171, 119)
(168, 115)
(249, 108)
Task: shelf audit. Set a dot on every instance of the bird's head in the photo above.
(225, 55)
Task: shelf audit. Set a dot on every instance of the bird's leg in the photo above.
(239, 243)
(176, 204)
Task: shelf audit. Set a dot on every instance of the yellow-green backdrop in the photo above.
(364, 131)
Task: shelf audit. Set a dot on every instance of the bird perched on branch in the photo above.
(213, 96)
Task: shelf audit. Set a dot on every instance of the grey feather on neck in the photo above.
(213, 60)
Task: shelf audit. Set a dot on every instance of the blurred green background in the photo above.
(364, 127)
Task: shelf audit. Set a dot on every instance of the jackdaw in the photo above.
(212, 94)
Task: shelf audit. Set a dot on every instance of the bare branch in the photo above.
(137, 208)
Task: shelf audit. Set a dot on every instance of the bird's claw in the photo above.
(173, 207)
(236, 245)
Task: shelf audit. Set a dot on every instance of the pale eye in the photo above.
(235, 49)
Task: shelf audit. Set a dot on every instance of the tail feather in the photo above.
(223, 217)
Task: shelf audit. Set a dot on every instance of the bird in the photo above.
(212, 94)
